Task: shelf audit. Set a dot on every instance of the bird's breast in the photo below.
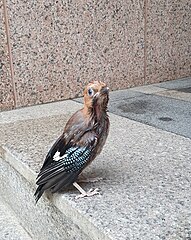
(102, 131)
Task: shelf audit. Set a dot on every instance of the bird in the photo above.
(82, 140)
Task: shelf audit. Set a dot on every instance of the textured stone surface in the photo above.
(175, 85)
(176, 94)
(123, 95)
(168, 38)
(60, 46)
(159, 111)
(179, 89)
(146, 187)
(6, 90)
(148, 89)
(10, 228)
(40, 111)
(42, 221)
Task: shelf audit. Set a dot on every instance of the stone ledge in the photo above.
(145, 191)
(10, 227)
(44, 221)
(20, 170)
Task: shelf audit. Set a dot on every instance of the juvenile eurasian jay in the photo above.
(82, 140)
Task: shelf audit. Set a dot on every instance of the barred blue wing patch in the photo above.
(75, 158)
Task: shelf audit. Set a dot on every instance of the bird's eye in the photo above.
(90, 92)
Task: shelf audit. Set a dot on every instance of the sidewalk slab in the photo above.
(175, 84)
(166, 113)
(148, 89)
(39, 111)
(146, 187)
(184, 96)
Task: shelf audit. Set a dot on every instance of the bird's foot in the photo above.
(83, 194)
(90, 193)
(90, 180)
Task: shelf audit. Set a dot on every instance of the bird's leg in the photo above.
(82, 179)
(90, 193)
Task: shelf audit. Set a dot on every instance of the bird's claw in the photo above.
(90, 193)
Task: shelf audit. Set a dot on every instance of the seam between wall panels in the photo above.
(9, 51)
(145, 40)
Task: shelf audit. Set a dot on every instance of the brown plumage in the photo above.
(82, 140)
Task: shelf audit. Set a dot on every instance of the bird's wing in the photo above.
(75, 129)
(75, 158)
(59, 146)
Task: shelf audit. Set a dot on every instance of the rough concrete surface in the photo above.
(185, 96)
(10, 228)
(39, 111)
(146, 186)
(42, 221)
(166, 106)
(162, 112)
(175, 84)
(148, 89)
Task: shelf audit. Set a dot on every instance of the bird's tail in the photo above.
(56, 183)
(38, 193)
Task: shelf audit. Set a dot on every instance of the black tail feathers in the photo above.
(56, 183)
(38, 193)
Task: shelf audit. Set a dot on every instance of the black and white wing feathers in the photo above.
(62, 170)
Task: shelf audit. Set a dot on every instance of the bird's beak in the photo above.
(104, 90)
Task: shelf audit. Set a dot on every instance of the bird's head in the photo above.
(96, 96)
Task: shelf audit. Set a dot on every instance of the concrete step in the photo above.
(10, 227)
(146, 187)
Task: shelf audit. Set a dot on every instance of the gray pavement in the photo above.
(169, 114)
(146, 171)
(175, 84)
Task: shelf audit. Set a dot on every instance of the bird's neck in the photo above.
(97, 113)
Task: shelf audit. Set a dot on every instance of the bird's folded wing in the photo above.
(74, 159)
(60, 146)
(75, 130)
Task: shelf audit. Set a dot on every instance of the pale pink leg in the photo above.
(90, 193)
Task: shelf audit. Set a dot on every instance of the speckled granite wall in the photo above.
(168, 40)
(59, 46)
(6, 89)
